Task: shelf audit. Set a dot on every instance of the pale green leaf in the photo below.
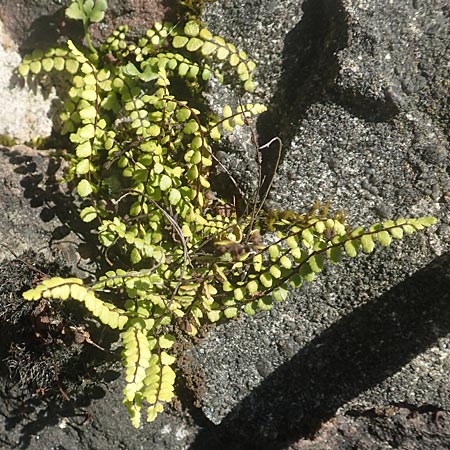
(222, 53)
(84, 188)
(59, 63)
(384, 238)
(286, 262)
(249, 85)
(166, 341)
(35, 67)
(165, 182)
(257, 262)
(351, 248)
(131, 70)
(88, 113)
(396, 232)
(274, 252)
(265, 303)
(183, 114)
(275, 271)
(74, 11)
(135, 256)
(214, 315)
(227, 111)
(215, 133)
(250, 308)
(280, 294)
(231, 312)
(83, 167)
(47, 64)
(84, 149)
(239, 294)
(252, 286)
(367, 243)
(98, 12)
(191, 29)
(87, 132)
(194, 44)
(191, 127)
(72, 65)
(180, 41)
(174, 196)
(154, 130)
(208, 48)
(292, 242)
(24, 69)
(88, 214)
(266, 279)
(234, 59)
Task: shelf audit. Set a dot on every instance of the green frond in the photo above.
(64, 288)
(142, 141)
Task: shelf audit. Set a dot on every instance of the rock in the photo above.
(357, 93)
(28, 25)
(335, 95)
(28, 113)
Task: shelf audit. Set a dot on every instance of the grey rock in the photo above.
(357, 91)
(337, 97)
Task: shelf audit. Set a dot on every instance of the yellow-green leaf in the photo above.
(266, 279)
(280, 294)
(384, 238)
(191, 29)
(367, 243)
(165, 182)
(84, 149)
(84, 188)
(222, 53)
(194, 44)
(174, 196)
(351, 248)
(166, 341)
(231, 312)
(88, 214)
(208, 48)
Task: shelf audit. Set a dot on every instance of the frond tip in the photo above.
(62, 289)
(149, 376)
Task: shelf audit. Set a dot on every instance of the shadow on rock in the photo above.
(41, 183)
(358, 352)
(310, 67)
(51, 358)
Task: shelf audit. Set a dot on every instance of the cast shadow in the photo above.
(310, 67)
(42, 188)
(357, 353)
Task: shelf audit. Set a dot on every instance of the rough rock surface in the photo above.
(358, 92)
(24, 114)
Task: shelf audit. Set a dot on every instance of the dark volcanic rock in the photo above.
(358, 93)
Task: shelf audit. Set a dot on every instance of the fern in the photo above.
(142, 154)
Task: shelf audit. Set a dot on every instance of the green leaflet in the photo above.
(140, 160)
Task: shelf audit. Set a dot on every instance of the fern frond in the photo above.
(141, 163)
(63, 288)
(149, 376)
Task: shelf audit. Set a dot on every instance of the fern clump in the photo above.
(142, 142)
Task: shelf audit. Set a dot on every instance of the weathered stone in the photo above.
(357, 91)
